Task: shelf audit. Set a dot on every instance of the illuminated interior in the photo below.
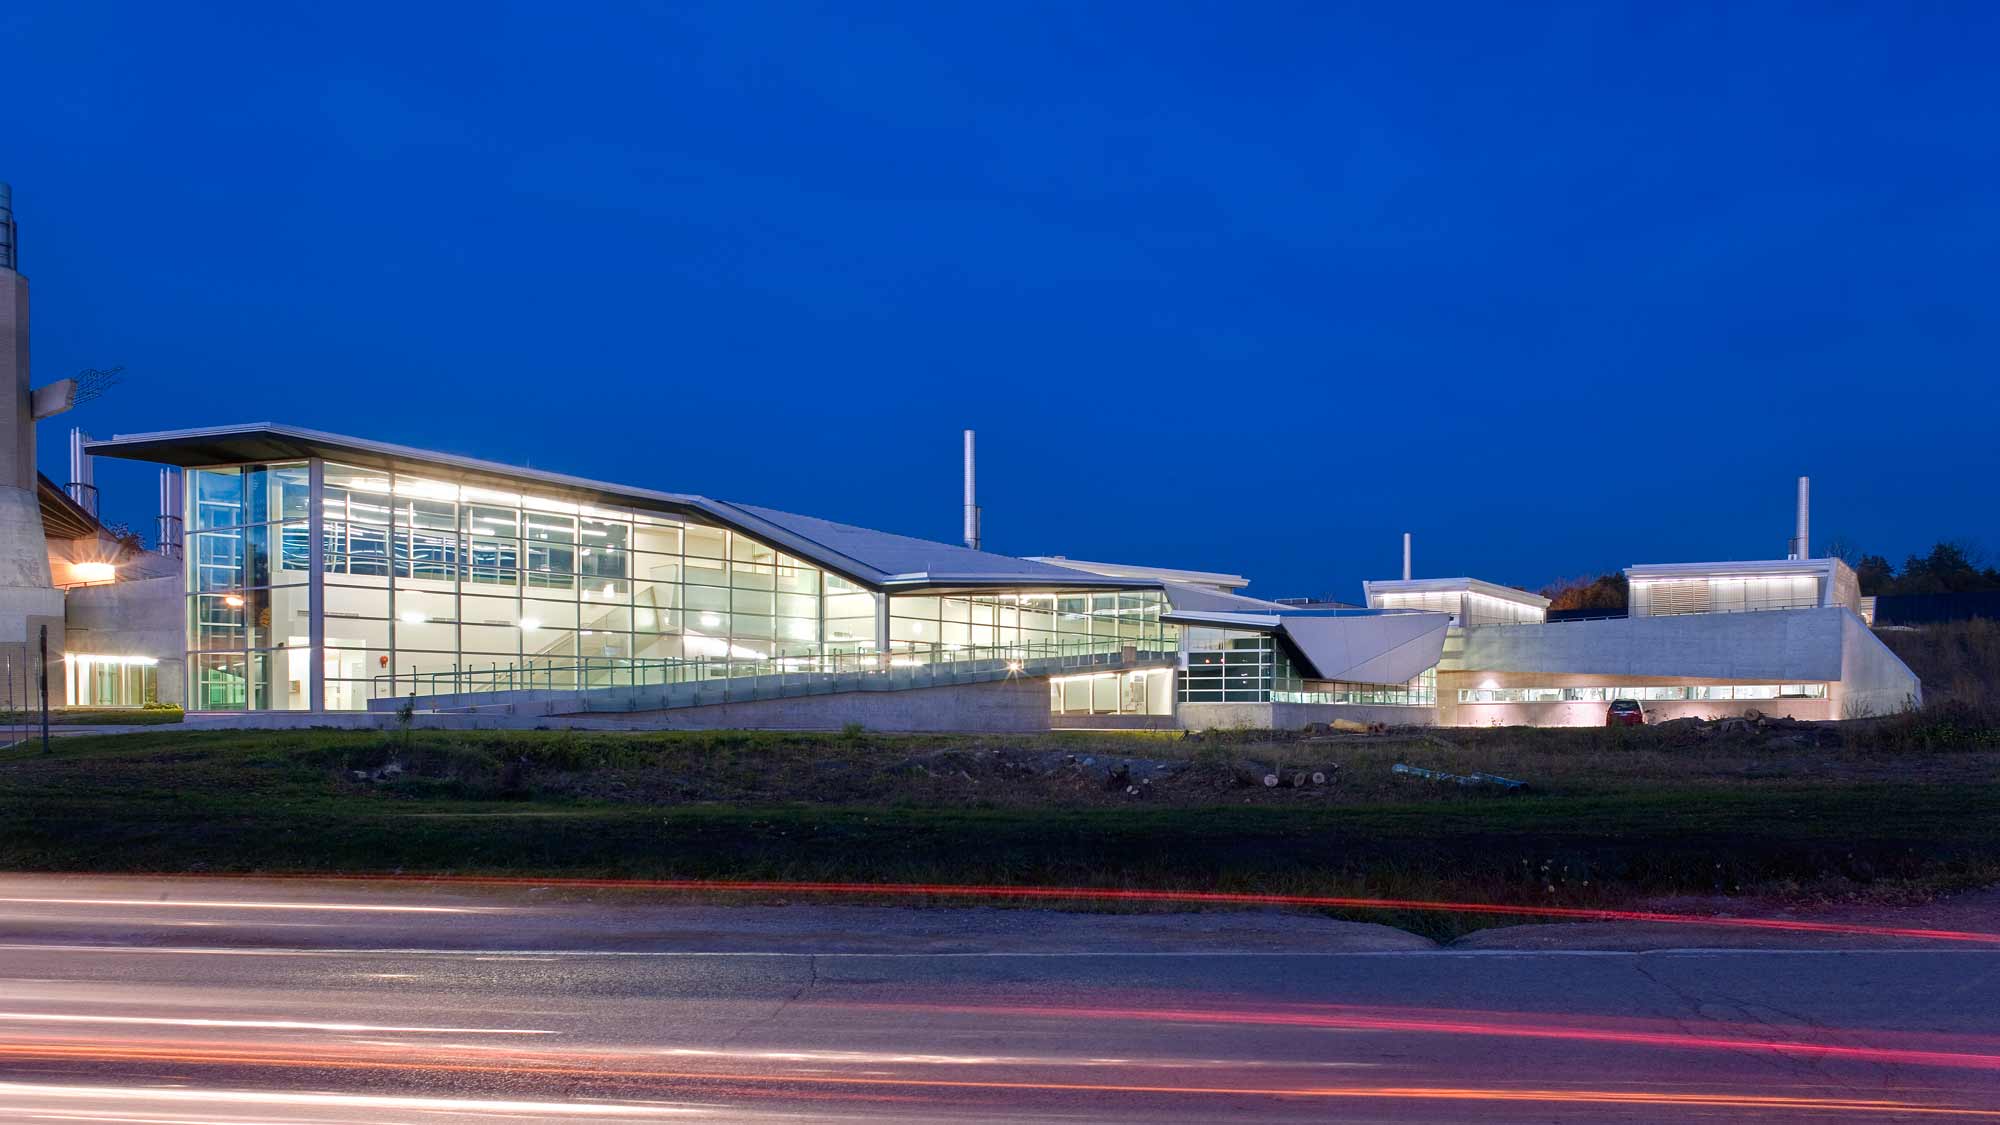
(428, 583)
(94, 680)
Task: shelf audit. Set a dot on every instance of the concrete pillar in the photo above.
(882, 628)
(316, 582)
(28, 598)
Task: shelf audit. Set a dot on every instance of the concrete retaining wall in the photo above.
(1873, 679)
(137, 618)
(1113, 722)
(998, 705)
(1296, 716)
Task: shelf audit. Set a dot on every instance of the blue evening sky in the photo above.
(1230, 286)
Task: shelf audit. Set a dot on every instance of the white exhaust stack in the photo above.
(83, 485)
(1406, 556)
(171, 502)
(1802, 543)
(971, 502)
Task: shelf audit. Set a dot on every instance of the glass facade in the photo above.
(1147, 692)
(1644, 692)
(1420, 692)
(92, 680)
(1232, 666)
(921, 625)
(430, 585)
(1239, 666)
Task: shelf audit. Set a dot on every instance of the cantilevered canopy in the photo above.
(1367, 646)
(875, 559)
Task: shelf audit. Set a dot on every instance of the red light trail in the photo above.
(1486, 1024)
(1006, 892)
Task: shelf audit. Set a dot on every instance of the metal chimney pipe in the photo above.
(971, 501)
(1406, 556)
(1802, 544)
(170, 513)
(82, 486)
(9, 237)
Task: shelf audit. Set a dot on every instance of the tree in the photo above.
(1606, 591)
(1951, 567)
(1875, 574)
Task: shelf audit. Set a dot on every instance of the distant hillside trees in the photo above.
(1606, 591)
(1951, 567)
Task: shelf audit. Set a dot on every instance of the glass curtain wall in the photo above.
(433, 586)
(1232, 666)
(1238, 666)
(927, 628)
(246, 612)
(428, 580)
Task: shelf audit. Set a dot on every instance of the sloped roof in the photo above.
(63, 517)
(875, 559)
(903, 560)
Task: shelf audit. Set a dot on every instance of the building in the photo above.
(1780, 637)
(311, 577)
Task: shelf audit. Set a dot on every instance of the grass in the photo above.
(96, 716)
(1613, 815)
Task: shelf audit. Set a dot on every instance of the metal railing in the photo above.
(911, 666)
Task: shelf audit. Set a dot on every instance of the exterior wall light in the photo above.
(94, 571)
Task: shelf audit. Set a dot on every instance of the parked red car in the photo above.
(1625, 713)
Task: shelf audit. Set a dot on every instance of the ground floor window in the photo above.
(1112, 693)
(111, 681)
(1645, 693)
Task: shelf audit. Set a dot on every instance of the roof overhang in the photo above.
(1761, 568)
(268, 441)
(1372, 648)
(1453, 586)
(1357, 646)
(1216, 580)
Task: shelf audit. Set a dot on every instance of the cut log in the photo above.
(1319, 777)
(1270, 781)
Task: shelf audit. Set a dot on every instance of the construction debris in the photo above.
(1467, 779)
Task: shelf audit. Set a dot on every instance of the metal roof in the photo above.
(62, 516)
(876, 559)
(1227, 583)
(1452, 586)
(1754, 568)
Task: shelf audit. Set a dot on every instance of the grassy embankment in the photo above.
(1895, 807)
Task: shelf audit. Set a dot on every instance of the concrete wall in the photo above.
(1780, 646)
(1792, 646)
(1873, 680)
(1296, 716)
(1113, 722)
(1452, 713)
(998, 705)
(138, 618)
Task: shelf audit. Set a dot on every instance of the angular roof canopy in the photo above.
(63, 517)
(876, 559)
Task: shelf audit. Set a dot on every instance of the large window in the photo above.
(1035, 624)
(1233, 666)
(110, 681)
(1671, 597)
(435, 585)
(429, 582)
(1653, 693)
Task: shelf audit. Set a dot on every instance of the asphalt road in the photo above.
(166, 1001)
